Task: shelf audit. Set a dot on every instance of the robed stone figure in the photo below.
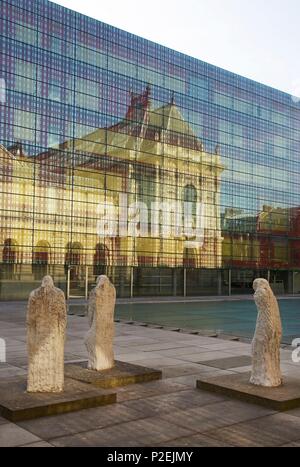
(46, 328)
(267, 339)
(99, 340)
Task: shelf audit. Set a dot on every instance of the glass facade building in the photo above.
(121, 156)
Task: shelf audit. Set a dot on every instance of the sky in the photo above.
(259, 39)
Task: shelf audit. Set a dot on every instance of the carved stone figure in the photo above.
(46, 326)
(267, 339)
(99, 339)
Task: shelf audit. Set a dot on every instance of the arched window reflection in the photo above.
(190, 199)
(101, 259)
(10, 251)
(74, 254)
(9, 257)
(40, 259)
(190, 196)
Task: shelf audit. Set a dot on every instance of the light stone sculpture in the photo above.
(99, 339)
(46, 327)
(267, 339)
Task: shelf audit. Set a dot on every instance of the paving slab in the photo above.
(166, 403)
(225, 345)
(134, 356)
(12, 436)
(11, 371)
(293, 444)
(145, 432)
(205, 356)
(270, 431)
(158, 362)
(16, 404)
(140, 391)
(242, 369)
(188, 380)
(183, 370)
(2, 420)
(229, 362)
(196, 441)
(216, 415)
(178, 353)
(237, 386)
(39, 444)
(164, 345)
(79, 422)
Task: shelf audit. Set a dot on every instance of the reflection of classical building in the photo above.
(268, 241)
(50, 203)
(73, 139)
(294, 238)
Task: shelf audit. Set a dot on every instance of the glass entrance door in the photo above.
(77, 282)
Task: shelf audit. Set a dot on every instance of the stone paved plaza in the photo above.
(167, 413)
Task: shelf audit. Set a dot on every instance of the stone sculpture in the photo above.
(99, 339)
(267, 339)
(46, 326)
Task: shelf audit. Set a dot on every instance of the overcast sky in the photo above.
(259, 39)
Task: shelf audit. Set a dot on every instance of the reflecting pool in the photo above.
(236, 318)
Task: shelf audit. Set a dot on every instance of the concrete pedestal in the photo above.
(237, 386)
(122, 374)
(16, 404)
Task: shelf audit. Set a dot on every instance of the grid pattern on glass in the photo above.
(118, 153)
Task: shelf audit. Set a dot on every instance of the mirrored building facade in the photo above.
(123, 157)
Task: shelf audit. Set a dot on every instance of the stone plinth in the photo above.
(16, 404)
(122, 374)
(238, 386)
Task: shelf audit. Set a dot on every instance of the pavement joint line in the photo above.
(41, 440)
(224, 337)
(139, 300)
(245, 421)
(201, 434)
(230, 424)
(96, 429)
(84, 431)
(142, 396)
